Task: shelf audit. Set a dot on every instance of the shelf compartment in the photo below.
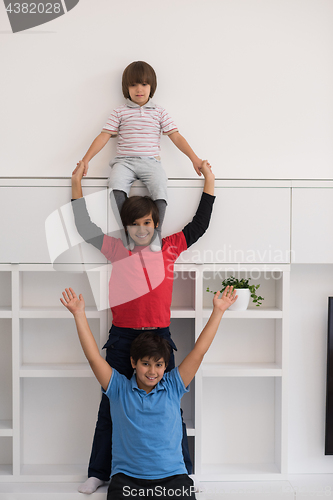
(6, 456)
(45, 289)
(53, 344)
(6, 470)
(57, 425)
(270, 288)
(183, 295)
(5, 371)
(242, 417)
(247, 342)
(5, 291)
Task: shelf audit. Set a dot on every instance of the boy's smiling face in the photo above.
(142, 230)
(139, 93)
(148, 372)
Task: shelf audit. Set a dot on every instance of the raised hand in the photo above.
(228, 298)
(206, 169)
(79, 170)
(73, 303)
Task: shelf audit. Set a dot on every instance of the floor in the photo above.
(295, 487)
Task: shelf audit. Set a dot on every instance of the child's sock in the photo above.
(156, 244)
(198, 487)
(90, 485)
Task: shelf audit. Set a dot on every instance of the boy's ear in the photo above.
(133, 363)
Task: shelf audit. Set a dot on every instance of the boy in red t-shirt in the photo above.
(141, 282)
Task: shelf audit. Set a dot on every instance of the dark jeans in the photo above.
(169, 488)
(118, 356)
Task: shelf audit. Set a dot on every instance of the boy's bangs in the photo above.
(138, 75)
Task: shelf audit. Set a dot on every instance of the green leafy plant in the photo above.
(239, 284)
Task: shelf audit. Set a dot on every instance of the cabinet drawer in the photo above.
(37, 224)
(248, 225)
(312, 236)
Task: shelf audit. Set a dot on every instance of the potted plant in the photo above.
(244, 290)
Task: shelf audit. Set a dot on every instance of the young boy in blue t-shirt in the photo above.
(145, 410)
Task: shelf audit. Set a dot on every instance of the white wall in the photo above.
(247, 81)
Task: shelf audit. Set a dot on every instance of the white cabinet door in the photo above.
(312, 221)
(248, 225)
(37, 225)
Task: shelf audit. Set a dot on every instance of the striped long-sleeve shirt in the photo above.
(139, 128)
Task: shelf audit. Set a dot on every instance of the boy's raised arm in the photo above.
(89, 231)
(209, 185)
(200, 222)
(99, 366)
(77, 175)
(190, 365)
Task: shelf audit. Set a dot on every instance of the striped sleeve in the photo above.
(167, 124)
(112, 124)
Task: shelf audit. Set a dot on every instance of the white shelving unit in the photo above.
(239, 401)
(44, 417)
(241, 389)
(247, 364)
(236, 411)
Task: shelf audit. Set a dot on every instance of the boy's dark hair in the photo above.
(138, 72)
(150, 345)
(136, 207)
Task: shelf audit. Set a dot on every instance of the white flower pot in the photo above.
(243, 300)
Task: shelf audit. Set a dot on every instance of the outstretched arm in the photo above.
(99, 366)
(77, 175)
(95, 148)
(185, 148)
(206, 170)
(189, 367)
(89, 231)
(200, 222)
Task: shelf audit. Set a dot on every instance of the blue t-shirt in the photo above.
(146, 428)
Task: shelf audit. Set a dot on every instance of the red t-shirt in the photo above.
(140, 287)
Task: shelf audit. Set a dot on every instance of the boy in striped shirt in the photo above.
(139, 124)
